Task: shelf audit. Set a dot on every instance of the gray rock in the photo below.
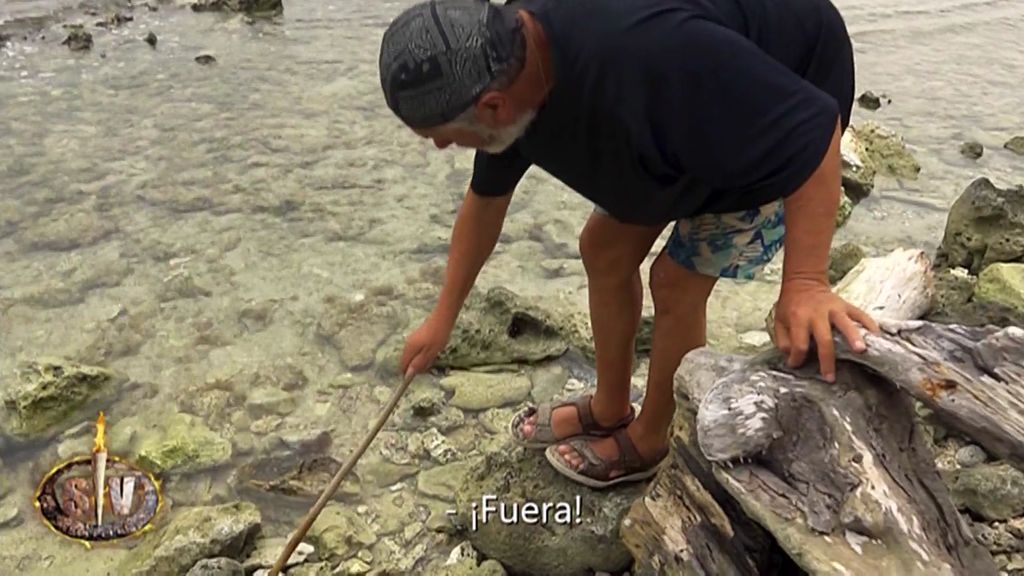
(971, 455)
(985, 226)
(1012, 564)
(339, 532)
(498, 327)
(217, 567)
(468, 568)
(266, 401)
(357, 328)
(478, 391)
(206, 59)
(10, 516)
(177, 442)
(228, 530)
(996, 538)
(267, 551)
(46, 393)
(443, 481)
(869, 101)
(587, 542)
(380, 473)
(78, 38)
(150, 39)
(1015, 145)
(548, 382)
(993, 491)
(315, 569)
(251, 7)
(496, 420)
(972, 150)
(842, 259)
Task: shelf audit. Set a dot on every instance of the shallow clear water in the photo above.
(277, 180)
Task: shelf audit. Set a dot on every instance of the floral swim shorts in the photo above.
(733, 245)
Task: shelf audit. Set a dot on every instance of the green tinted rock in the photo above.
(842, 259)
(339, 532)
(985, 226)
(479, 391)
(1002, 284)
(181, 443)
(993, 491)
(47, 393)
(1015, 145)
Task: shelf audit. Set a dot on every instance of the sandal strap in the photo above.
(628, 460)
(588, 425)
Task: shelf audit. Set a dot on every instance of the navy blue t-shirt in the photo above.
(664, 109)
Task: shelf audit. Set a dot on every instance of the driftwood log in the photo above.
(839, 475)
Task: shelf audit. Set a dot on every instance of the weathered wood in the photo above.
(897, 286)
(972, 378)
(838, 473)
(686, 524)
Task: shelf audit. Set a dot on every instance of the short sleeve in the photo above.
(498, 174)
(746, 123)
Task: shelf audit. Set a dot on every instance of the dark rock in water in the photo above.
(114, 20)
(564, 544)
(871, 101)
(217, 567)
(205, 59)
(293, 475)
(985, 226)
(246, 6)
(4, 39)
(842, 259)
(228, 530)
(49, 392)
(993, 491)
(1015, 145)
(150, 39)
(78, 39)
(972, 150)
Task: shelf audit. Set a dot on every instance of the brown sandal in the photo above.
(543, 436)
(596, 470)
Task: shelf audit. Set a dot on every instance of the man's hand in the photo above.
(808, 309)
(424, 344)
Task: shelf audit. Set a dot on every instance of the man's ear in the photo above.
(493, 109)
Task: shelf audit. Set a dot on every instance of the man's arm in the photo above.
(807, 308)
(474, 236)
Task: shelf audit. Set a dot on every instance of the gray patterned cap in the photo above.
(438, 56)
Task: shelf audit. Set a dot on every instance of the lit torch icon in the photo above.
(99, 467)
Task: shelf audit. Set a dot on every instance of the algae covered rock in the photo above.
(972, 150)
(1002, 284)
(480, 391)
(217, 567)
(558, 542)
(468, 567)
(842, 259)
(1015, 145)
(339, 532)
(498, 327)
(954, 302)
(228, 530)
(985, 226)
(887, 151)
(48, 392)
(844, 211)
(993, 491)
(254, 7)
(175, 442)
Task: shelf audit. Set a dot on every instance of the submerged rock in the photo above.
(78, 39)
(1002, 285)
(205, 59)
(293, 475)
(150, 39)
(1015, 145)
(254, 7)
(48, 392)
(268, 549)
(985, 226)
(563, 543)
(871, 101)
(498, 327)
(479, 391)
(357, 328)
(217, 567)
(339, 532)
(993, 491)
(444, 481)
(972, 150)
(176, 442)
(227, 530)
(842, 259)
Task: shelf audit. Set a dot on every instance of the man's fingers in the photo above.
(864, 319)
(782, 339)
(850, 332)
(826, 353)
(799, 338)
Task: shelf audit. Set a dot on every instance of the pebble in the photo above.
(755, 338)
(9, 515)
(574, 385)
(353, 566)
(972, 150)
(971, 455)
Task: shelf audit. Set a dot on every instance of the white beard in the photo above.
(499, 140)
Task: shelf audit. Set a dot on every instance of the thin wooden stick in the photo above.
(311, 516)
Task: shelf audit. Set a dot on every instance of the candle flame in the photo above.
(101, 425)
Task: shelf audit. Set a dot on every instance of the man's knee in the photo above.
(674, 287)
(611, 250)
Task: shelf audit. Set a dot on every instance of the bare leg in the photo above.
(612, 253)
(680, 301)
